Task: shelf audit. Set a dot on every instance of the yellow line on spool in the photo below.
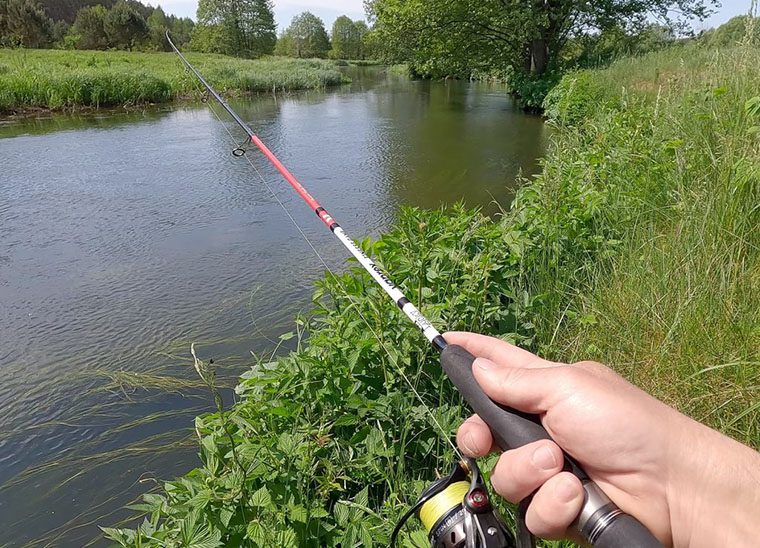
(442, 503)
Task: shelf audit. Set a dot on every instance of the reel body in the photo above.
(457, 512)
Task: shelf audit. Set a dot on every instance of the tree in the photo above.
(372, 47)
(24, 23)
(362, 30)
(60, 30)
(66, 10)
(734, 31)
(158, 24)
(181, 29)
(88, 30)
(285, 46)
(235, 27)
(307, 37)
(442, 37)
(125, 27)
(346, 41)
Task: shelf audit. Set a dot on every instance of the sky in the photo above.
(330, 10)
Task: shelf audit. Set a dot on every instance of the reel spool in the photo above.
(456, 512)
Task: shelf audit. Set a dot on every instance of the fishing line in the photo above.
(600, 521)
(346, 294)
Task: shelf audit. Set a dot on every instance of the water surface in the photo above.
(125, 237)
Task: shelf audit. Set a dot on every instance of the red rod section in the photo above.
(290, 178)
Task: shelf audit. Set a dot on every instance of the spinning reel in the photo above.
(457, 513)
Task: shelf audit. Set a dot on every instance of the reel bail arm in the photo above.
(457, 513)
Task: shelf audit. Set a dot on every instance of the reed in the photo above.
(56, 79)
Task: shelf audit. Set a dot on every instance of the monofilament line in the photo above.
(375, 272)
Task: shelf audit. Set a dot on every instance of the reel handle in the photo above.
(600, 522)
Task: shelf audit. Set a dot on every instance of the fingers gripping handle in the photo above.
(510, 428)
(600, 521)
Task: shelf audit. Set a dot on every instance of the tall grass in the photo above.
(68, 79)
(637, 245)
(678, 309)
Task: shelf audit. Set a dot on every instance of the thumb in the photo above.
(531, 390)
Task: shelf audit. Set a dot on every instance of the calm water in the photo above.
(124, 238)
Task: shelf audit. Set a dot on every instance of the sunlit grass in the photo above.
(678, 309)
(69, 79)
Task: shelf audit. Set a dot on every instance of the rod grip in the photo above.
(605, 526)
(510, 428)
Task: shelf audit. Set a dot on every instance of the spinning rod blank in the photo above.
(600, 522)
(430, 332)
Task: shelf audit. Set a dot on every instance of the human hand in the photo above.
(670, 472)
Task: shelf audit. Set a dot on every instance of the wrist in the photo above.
(713, 489)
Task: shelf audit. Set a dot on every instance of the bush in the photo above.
(577, 96)
(531, 89)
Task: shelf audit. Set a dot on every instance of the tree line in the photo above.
(83, 24)
(528, 44)
(247, 28)
(450, 37)
(244, 28)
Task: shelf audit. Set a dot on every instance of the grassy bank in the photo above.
(637, 245)
(53, 79)
(678, 310)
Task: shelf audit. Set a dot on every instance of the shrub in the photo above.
(575, 98)
(531, 89)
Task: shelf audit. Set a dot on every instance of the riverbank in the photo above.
(69, 80)
(637, 246)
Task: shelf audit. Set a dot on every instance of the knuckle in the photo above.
(590, 366)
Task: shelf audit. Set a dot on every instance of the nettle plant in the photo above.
(328, 444)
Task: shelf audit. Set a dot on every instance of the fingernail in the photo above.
(567, 491)
(544, 458)
(468, 442)
(484, 364)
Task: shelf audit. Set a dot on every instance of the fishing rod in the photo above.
(454, 509)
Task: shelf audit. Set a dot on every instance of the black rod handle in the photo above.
(600, 522)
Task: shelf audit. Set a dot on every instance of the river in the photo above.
(125, 237)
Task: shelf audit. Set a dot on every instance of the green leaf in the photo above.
(346, 420)
(122, 537)
(341, 514)
(261, 498)
(362, 498)
(318, 512)
(752, 106)
(297, 513)
(256, 532)
(225, 515)
(206, 539)
(286, 538)
(366, 536)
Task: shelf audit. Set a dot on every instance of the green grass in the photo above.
(53, 79)
(637, 245)
(678, 309)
